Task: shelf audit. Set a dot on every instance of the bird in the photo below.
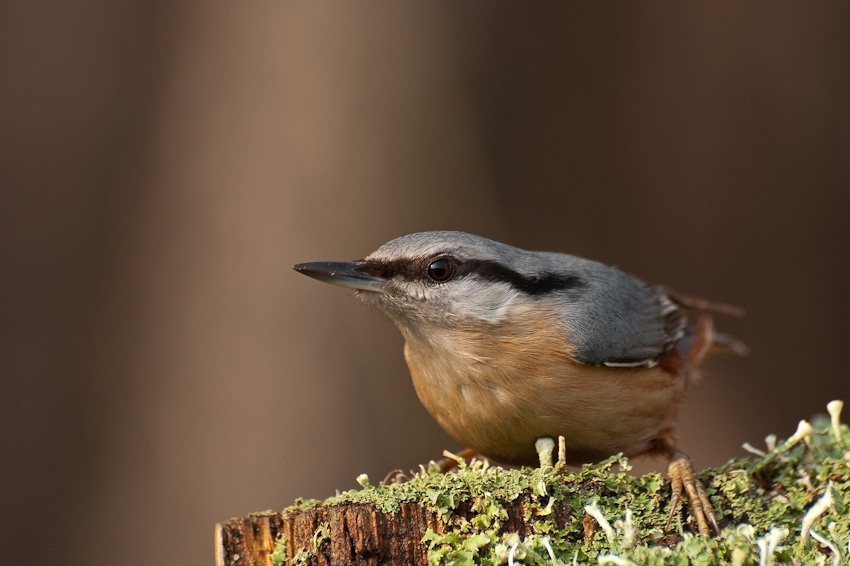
(507, 346)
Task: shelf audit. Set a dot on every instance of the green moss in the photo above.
(756, 499)
(278, 557)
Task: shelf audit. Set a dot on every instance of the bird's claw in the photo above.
(683, 478)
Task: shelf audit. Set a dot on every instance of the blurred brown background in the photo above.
(163, 166)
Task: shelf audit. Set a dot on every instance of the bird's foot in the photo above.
(683, 478)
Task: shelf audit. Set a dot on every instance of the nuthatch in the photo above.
(506, 346)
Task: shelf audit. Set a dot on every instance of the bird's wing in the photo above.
(623, 322)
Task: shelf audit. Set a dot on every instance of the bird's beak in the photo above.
(342, 274)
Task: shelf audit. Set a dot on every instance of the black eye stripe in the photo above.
(488, 270)
(409, 270)
(545, 283)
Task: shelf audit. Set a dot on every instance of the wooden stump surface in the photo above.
(350, 534)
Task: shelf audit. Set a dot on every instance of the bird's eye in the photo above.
(440, 269)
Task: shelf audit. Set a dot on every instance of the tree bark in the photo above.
(350, 534)
(355, 534)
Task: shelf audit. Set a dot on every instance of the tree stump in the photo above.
(350, 534)
(790, 500)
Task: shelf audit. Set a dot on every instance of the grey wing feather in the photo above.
(620, 321)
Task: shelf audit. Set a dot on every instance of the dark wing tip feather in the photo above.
(674, 319)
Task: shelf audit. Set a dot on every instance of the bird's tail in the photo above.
(700, 337)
